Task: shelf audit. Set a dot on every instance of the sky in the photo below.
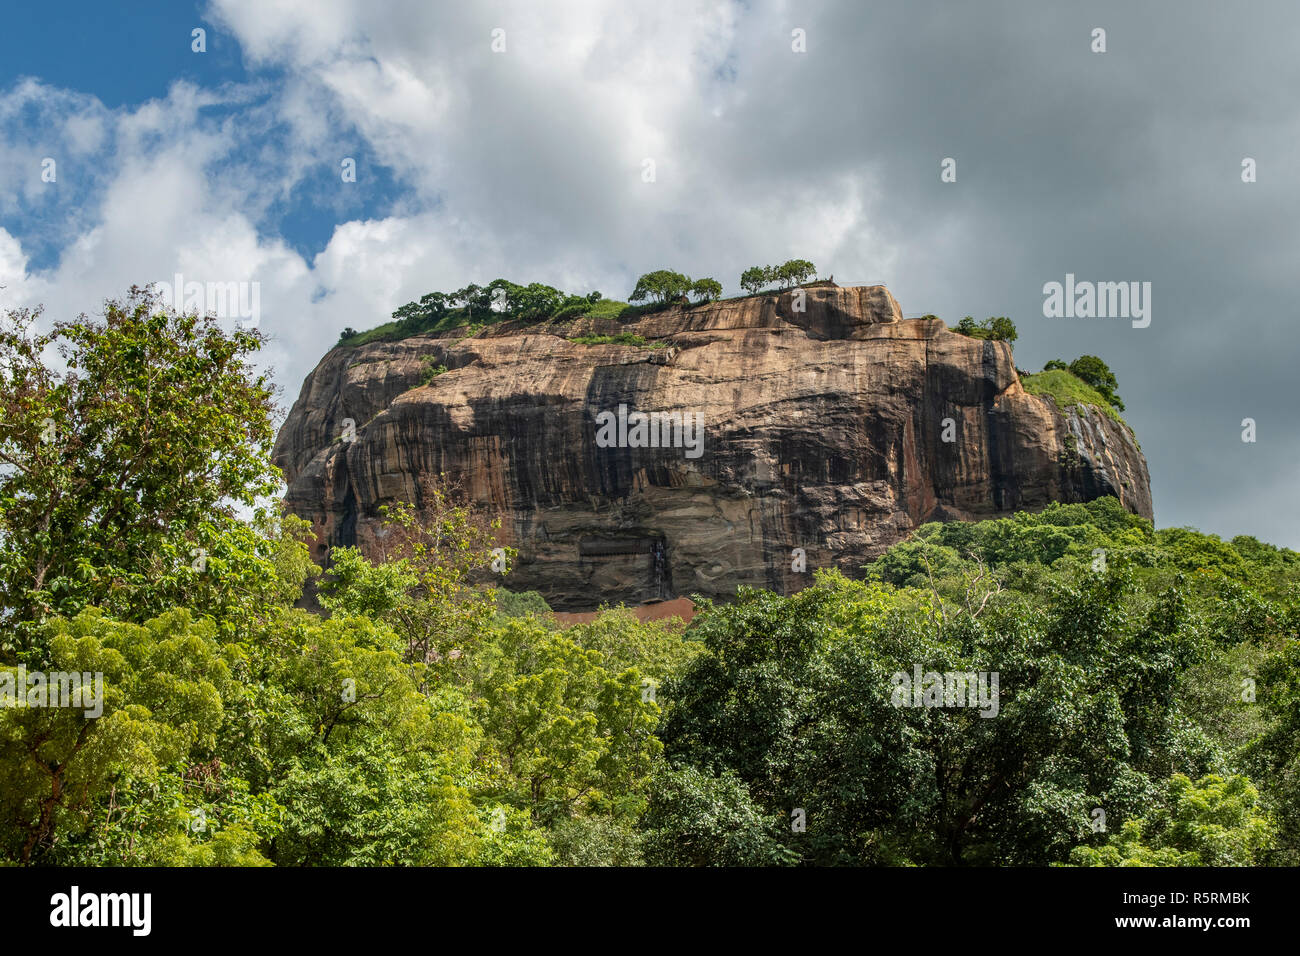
(510, 140)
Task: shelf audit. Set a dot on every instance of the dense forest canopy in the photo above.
(1147, 681)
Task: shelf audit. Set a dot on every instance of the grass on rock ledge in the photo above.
(1068, 390)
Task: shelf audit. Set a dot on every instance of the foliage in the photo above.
(596, 842)
(793, 272)
(498, 301)
(1094, 372)
(122, 473)
(798, 707)
(572, 737)
(1016, 543)
(623, 338)
(787, 275)
(424, 585)
(1274, 755)
(1068, 390)
(162, 689)
(1119, 651)
(995, 328)
(755, 278)
(1212, 822)
(431, 371)
(698, 819)
(423, 715)
(521, 603)
(661, 286)
(657, 649)
(706, 290)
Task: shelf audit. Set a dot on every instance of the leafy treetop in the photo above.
(124, 468)
(995, 328)
(1094, 372)
(787, 275)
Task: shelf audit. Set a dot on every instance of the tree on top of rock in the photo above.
(1097, 373)
(794, 272)
(787, 275)
(753, 279)
(662, 285)
(706, 290)
(996, 328)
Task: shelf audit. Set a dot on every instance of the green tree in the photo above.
(996, 328)
(474, 298)
(427, 581)
(533, 302)
(568, 737)
(1212, 822)
(1097, 373)
(596, 841)
(698, 819)
(1002, 329)
(195, 815)
(408, 314)
(521, 604)
(794, 695)
(706, 290)
(370, 765)
(124, 469)
(288, 540)
(657, 649)
(661, 286)
(794, 272)
(1275, 754)
(162, 689)
(755, 278)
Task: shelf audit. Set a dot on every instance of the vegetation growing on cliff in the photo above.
(501, 300)
(431, 371)
(1093, 372)
(785, 276)
(623, 338)
(1068, 390)
(996, 328)
(1085, 381)
(664, 286)
(498, 301)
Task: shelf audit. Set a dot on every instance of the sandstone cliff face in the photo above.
(823, 429)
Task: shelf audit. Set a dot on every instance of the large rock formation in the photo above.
(835, 429)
